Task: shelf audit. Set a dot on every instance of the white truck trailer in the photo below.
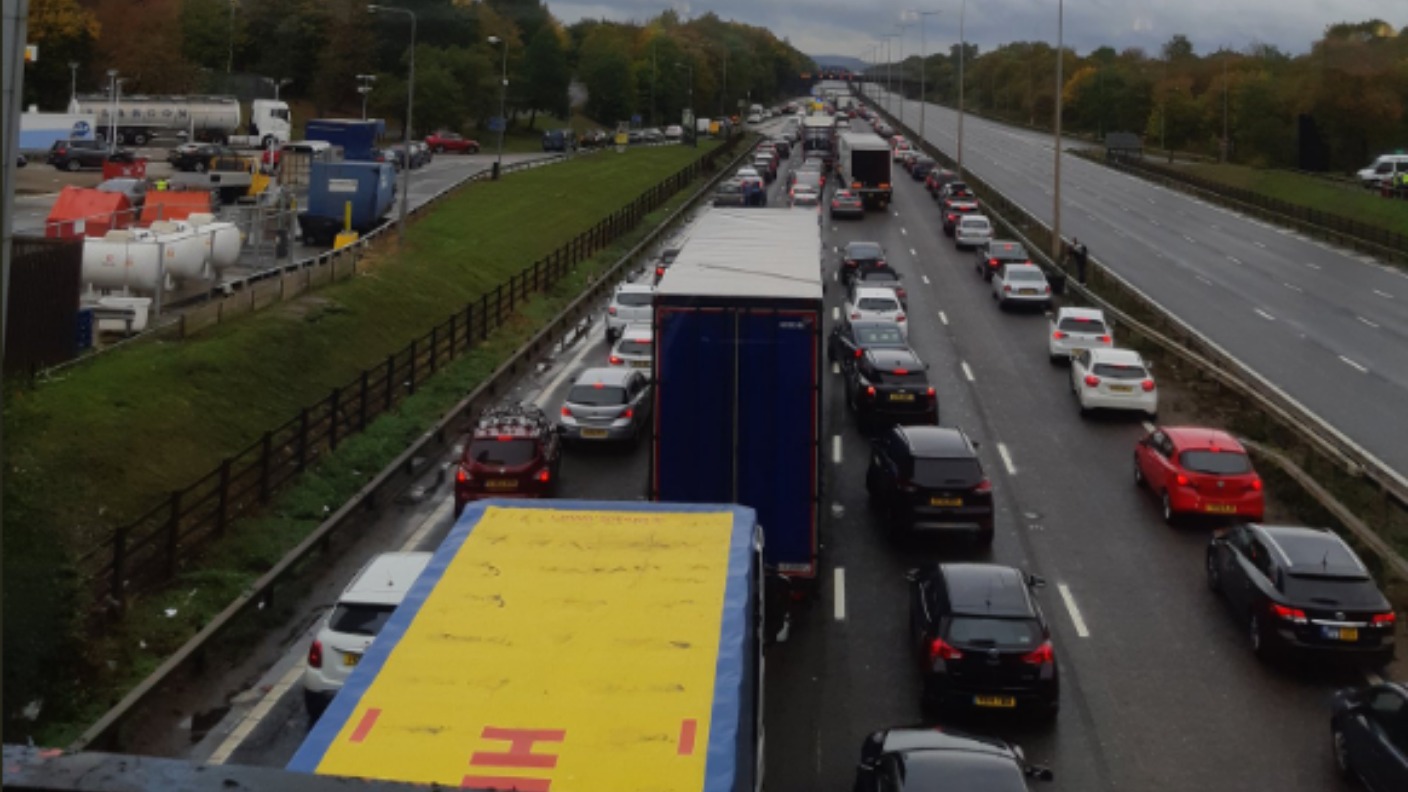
(215, 119)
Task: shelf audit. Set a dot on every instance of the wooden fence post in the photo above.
(512, 290)
(468, 326)
(390, 381)
(484, 316)
(333, 409)
(266, 452)
(454, 333)
(434, 346)
(498, 306)
(411, 380)
(118, 590)
(224, 497)
(363, 406)
(302, 439)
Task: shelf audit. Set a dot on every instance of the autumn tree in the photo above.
(65, 32)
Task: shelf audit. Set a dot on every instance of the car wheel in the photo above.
(72, 166)
(314, 704)
(139, 139)
(1055, 359)
(1341, 752)
(200, 167)
(1214, 575)
(1138, 473)
(1169, 516)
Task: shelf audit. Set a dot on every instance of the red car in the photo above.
(441, 142)
(1194, 470)
(513, 452)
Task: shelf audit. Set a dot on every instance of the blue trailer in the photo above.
(357, 137)
(738, 323)
(370, 187)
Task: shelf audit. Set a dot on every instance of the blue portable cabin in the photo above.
(357, 137)
(369, 186)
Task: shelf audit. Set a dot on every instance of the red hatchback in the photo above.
(513, 452)
(1194, 470)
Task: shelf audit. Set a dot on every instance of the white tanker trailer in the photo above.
(216, 119)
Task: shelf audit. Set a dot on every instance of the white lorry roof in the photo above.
(745, 253)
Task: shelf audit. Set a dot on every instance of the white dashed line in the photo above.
(1292, 286)
(1006, 459)
(1312, 265)
(258, 714)
(835, 313)
(835, 368)
(926, 279)
(1264, 315)
(1190, 239)
(840, 580)
(1367, 322)
(1261, 245)
(1155, 222)
(1203, 280)
(1148, 427)
(1383, 294)
(1076, 618)
(1120, 233)
(836, 449)
(1354, 365)
(1234, 260)
(914, 252)
(943, 317)
(967, 372)
(1213, 225)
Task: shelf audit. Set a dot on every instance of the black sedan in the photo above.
(198, 156)
(981, 639)
(851, 338)
(925, 759)
(891, 386)
(860, 255)
(992, 256)
(1369, 734)
(71, 155)
(929, 479)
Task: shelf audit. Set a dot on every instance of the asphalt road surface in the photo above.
(1325, 325)
(1159, 688)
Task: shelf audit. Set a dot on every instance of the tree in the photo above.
(209, 31)
(65, 32)
(159, 64)
(350, 50)
(605, 68)
(545, 74)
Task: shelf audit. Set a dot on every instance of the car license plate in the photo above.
(595, 433)
(500, 484)
(1340, 633)
(1121, 389)
(641, 364)
(1004, 702)
(350, 659)
(1220, 508)
(945, 501)
(1027, 291)
(901, 397)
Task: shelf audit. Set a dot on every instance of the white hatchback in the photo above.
(360, 613)
(635, 349)
(972, 230)
(1113, 379)
(865, 303)
(1077, 328)
(629, 305)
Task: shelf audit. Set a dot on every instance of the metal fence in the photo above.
(151, 549)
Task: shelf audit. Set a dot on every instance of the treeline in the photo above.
(320, 46)
(1351, 90)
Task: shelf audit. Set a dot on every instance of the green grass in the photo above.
(107, 440)
(1343, 199)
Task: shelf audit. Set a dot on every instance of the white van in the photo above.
(1383, 169)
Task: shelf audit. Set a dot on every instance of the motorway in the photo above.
(1160, 690)
(1325, 325)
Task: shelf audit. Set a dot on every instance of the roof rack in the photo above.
(518, 415)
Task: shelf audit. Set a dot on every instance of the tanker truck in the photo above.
(212, 119)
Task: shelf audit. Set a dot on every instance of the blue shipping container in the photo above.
(356, 137)
(370, 187)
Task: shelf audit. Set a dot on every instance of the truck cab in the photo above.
(270, 125)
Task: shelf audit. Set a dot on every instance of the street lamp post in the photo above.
(923, 78)
(901, 27)
(1056, 186)
(112, 108)
(73, 83)
(276, 84)
(1225, 142)
(962, 54)
(503, 104)
(694, 122)
(373, 8)
(889, 83)
(365, 89)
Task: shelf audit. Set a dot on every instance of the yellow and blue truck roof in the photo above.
(565, 646)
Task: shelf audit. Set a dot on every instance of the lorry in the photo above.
(356, 137)
(819, 134)
(209, 119)
(571, 645)
(738, 377)
(363, 191)
(863, 165)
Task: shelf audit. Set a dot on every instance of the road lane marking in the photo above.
(1367, 322)
(1264, 315)
(835, 313)
(1312, 265)
(1204, 280)
(1148, 427)
(1261, 245)
(1006, 459)
(586, 342)
(835, 368)
(926, 279)
(1383, 294)
(256, 715)
(1190, 239)
(836, 449)
(1354, 365)
(1291, 286)
(1234, 260)
(943, 317)
(1120, 233)
(914, 252)
(840, 579)
(428, 524)
(903, 231)
(1076, 618)
(967, 372)
(1152, 220)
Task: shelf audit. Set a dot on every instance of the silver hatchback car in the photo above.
(635, 349)
(606, 404)
(629, 305)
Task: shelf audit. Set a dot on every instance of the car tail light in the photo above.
(1006, 288)
(543, 475)
(884, 185)
(566, 413)
(855, 315)
(1383, 619)
(1147, 385)
(992, 263)
(984, 487)
(1058, 335)
(901, 293)
(1181, 480)
(941, 650)
(1104, 339)
(1288, 614)
(929, 393)
(659, 272)
(952, 217)
(850, 262)
(1091, 380)
(463, 476)
(611, 310)
(899, 318)
(1048, 288)
(1256, 484)
(858, 354)
(629, 412)
(855, 185)
(870, 391)
(1042, 655)
(315, 655)
(615, 360)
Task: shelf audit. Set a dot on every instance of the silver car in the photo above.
(635, 349)
(629, 305)
(606, 404)
(1020, 284)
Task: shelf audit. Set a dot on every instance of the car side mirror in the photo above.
(1036, 581)
(1038, 772)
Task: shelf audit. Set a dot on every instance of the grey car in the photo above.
(606, 405)
(730, 193)
(634, 349)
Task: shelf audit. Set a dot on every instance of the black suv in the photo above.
(929, 478)
(1369, 733)
(860, 255)
(1301, 589)
(996, 253)
(71, 155)
(926, 759)
(514, 451)
(198, 157)
(891, 386)
(981, 639)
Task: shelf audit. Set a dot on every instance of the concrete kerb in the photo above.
(105, 732)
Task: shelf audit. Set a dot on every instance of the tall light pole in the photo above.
(694, 122)
(962, 54)
(364, 88)
(1226, 143)
(503, 104)
(889, 84)
(1056, 187)
(230, 57)
(901, 27)
(723, 92)
(923, 78)
(112, 109)
(373, 8)
(276, 84)
(73, 83)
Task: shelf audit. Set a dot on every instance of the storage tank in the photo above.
(140, 117)
(222, 240)
(185, 251)
(127, 260)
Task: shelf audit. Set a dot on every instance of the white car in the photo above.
(360, 613)
(805, 195)
(674, 132)
(902, 147)
(635, 349)
(755, 119)
(1113, 379)
(972, 230)
(864, 303)
(629, 305)
(1020, 284)
(1077, 328)
(747, 175)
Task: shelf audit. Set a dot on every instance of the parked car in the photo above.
(563, 140)
(134, 189)
(922, 166)
(982, 640)
(635, 348)
(1113, 379)
(674, 132)
(452, 142)
(513, 451)
(198, 157)
(928, 759)
(361, 611)
(804, 195)
(928, 479)
(664, 260)
(72, 155)
(850, 339)
(20, 161)
(652, 135)
(864, 302)
(937, 179)
(956, 210)
(1198, 471)
(1077, 328)
(606, 404)
(1301, 590)
(884, 278)
(1369, 735)
(885, 387)
(1019, 284)
(630, 304)
(990, 257)
(782, 146)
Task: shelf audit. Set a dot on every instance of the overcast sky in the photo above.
(850, 27)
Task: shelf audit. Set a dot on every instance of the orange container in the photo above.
(136, 169)
(82, 212)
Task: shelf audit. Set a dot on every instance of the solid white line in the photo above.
(1234, 260)
(1076, 618)
(1367, 322)
(1120, 233)
(926, 279)
(1148, 427)
(835, 313)
(1006, 459)
(587, 343)
(1204, 280)
(967, 372)
(1264, 315)
(836, 276)
(835, 368)
(1383, 294)
(1354, 365)
(836, 449)
(256, 715)
(428, 524)
(1292, 286)
(943, 317)
(840, 579)
(1312, 265)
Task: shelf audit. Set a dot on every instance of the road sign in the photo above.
(496, 124)
(81, 130)
(31, 53)
(635, 120)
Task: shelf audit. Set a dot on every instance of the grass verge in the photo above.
(95, 447)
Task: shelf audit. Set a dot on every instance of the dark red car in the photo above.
(441, 142)
(1193, 470)
(513, 452)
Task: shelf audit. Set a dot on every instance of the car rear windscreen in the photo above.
(597, 395)
(632, 346)
(951, 472)
(1112, 371)
(876, 275)
(1025, 275)
(907, 378)
(503, 451)
(1332, 592)
(359, 619)
(994, 633)
(1074, 325)
(633, 299)
(879, 335)
(1223, 463)
(877, 304)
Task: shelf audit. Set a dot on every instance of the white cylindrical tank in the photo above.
(222, 240)
(127, 260)
(183, 250)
